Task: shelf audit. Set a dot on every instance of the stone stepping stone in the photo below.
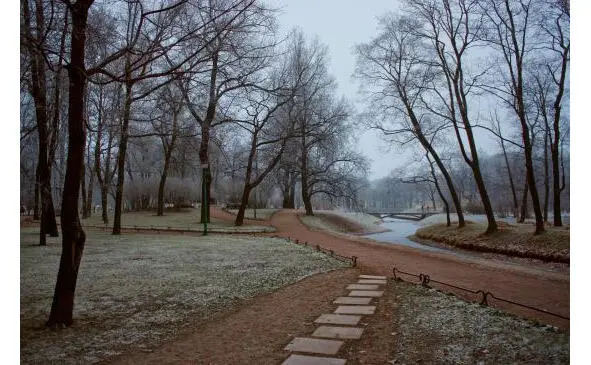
(372, 281)
(362, 287)
(366, 293)
(347, 333)
(351, 300)
(372, 277)
(314, 345)
(356, 309)
(338, 319)
(313, 360)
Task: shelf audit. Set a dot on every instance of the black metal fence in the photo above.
(425, 279)
(351, 259)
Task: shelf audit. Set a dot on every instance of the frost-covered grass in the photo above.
(366, 220)
(260, 213)
(185, 220)
(511, 239)
(339, 222)
(135, 291)
(433, 327)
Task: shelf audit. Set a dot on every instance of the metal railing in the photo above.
(352, 259)
(425, 279)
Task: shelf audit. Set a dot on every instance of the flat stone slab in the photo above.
(366, 293)
(372, 277)
(338, 319)
(356, 309)
(313, 360)
(347, 333)
(351, 300)
(372, 281)
(314, 345)
(362, 287)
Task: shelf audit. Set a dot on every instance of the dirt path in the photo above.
(537, 288)
(257, 331)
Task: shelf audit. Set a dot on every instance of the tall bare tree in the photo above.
(73, 236)
(511, 23)
(453, 28)
(398, 64)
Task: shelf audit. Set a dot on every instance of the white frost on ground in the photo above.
(135, 291)
(459, 332)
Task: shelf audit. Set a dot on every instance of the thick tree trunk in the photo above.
(206, 176)
(243, 205)
(73, 237)
(304, 179)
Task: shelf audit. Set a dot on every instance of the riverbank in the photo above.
(515, 240)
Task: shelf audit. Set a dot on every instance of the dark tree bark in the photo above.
(73, 237)
(509, 174)
(162, 184)
(248, 185)
(123, 139)
(441, 196)
(510, 36)
(524, 212)
(39, 93)
(36, 215)
(304, 178)
(546, 174)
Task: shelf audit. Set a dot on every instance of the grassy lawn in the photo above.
(512, 239)
(186, 220)
(263, 214)
(136, 291)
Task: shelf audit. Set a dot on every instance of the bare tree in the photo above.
(234, 50)
(511, 33)
(73, 237)
(169, 132)
(453, 28)
(268, 136)
(397, 62)
(35, 38)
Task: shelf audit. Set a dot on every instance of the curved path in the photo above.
(522, 284)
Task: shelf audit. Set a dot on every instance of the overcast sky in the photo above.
(340, 25)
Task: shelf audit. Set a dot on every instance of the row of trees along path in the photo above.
(533, 287)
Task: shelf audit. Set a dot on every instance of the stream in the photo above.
(399, 230)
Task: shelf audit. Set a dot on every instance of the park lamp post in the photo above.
(204, 197)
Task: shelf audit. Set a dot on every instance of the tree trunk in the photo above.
(83, 189)
(524, 212)
(122, 154)
(243, 205)
(73, 237)
(206, 176)
(441, 196)
(36, 209)
(304, 179)
(38, 92)
(513, 191)
(546, 175)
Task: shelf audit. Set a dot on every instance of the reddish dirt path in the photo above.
(522, 284)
